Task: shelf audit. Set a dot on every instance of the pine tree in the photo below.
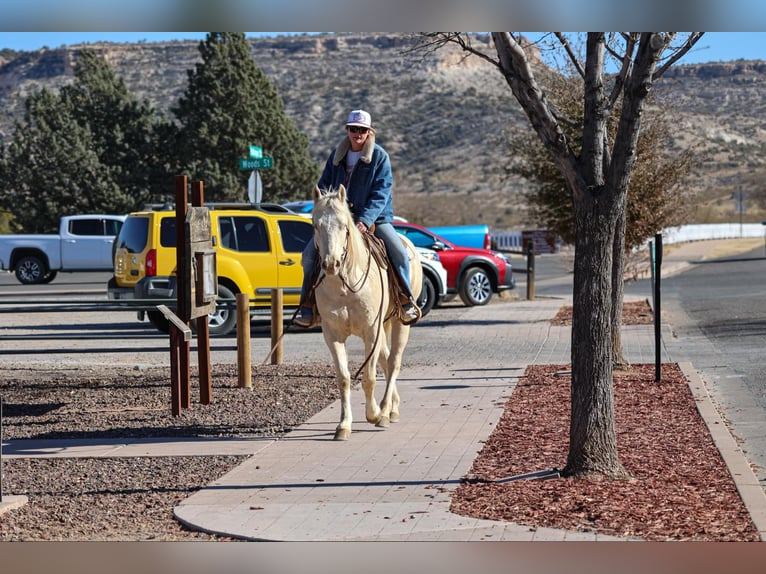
(90, 148)
(229, 105)
(50, 168)
(127, 134)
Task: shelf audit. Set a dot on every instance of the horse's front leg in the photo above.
(343, 377)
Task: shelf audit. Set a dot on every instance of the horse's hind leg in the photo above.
(389, 405)
(384, 354)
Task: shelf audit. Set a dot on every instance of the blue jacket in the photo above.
(369, 192)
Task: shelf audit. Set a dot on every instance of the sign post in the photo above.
(255, 162)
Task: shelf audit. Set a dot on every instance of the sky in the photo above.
(713, 47)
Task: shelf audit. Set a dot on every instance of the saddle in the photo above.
(396, 285)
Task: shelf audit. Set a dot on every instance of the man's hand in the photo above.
(361, 226)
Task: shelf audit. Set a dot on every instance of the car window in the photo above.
(244, 233)
(295, 235)
(418, 238)
(86, 227)
(133, 235)
(112, 226)
(168, 232)
(226, 233)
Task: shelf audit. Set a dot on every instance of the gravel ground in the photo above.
(133, 498)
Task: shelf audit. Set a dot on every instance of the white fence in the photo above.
(703, 231)
(694, 232)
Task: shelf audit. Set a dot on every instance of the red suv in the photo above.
(472, 273)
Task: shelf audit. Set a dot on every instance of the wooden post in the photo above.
(244, 371)
(203, 329)
(181, 279)
(530, 271)
(175, 371)
(180, 335)
(276, 326)
(203, 358)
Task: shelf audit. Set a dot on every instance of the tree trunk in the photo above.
(618, 287)
(592, 435)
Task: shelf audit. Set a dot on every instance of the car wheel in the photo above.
(223, 320)
(476, 288)
(427, 296)
(50, 276)
(30, 269)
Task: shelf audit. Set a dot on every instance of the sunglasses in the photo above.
(357, 130)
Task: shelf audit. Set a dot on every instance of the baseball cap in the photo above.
(359, 118)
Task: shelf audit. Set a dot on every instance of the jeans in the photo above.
(397, 254)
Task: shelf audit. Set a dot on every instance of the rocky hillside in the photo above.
(444, 118)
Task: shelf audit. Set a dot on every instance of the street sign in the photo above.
(256, 151)
(246, 163)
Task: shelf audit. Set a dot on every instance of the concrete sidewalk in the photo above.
(395, 483)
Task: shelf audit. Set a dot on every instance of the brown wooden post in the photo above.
(203, 329)
(181, 279)
(244, 371)
(175, 371)
(530, 271)
(203, 358)
(276, 326)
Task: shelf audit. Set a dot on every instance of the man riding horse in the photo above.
(364, 168)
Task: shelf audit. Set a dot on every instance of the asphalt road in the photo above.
(724, 300)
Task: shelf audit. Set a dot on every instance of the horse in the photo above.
(353, 298)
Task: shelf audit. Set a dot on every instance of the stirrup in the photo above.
(406, 315)
(307, 322)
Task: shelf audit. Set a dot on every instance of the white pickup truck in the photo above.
(84, 243)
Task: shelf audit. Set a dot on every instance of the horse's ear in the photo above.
(317, 194)
(342, 192)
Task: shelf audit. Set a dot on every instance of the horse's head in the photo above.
(333, 228)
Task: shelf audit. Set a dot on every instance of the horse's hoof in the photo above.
(342, 434)
(384, 422)
(394, 417)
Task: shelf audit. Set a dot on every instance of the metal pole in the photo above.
(1, 449)
(657, 291)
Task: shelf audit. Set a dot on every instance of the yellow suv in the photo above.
(258, 249)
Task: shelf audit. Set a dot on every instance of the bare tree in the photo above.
(597, 173)
(656, 199)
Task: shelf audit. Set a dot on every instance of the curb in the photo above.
(11, 502)
(749, 489)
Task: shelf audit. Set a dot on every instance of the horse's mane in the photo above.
(330, 200)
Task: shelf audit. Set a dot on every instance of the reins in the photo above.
(379, 318)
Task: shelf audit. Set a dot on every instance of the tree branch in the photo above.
(519, 75)
(679, 53)
(572, 56)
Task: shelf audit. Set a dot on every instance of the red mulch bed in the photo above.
(680, 488)
(633, 313)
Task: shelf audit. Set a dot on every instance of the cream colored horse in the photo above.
(353, 298)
